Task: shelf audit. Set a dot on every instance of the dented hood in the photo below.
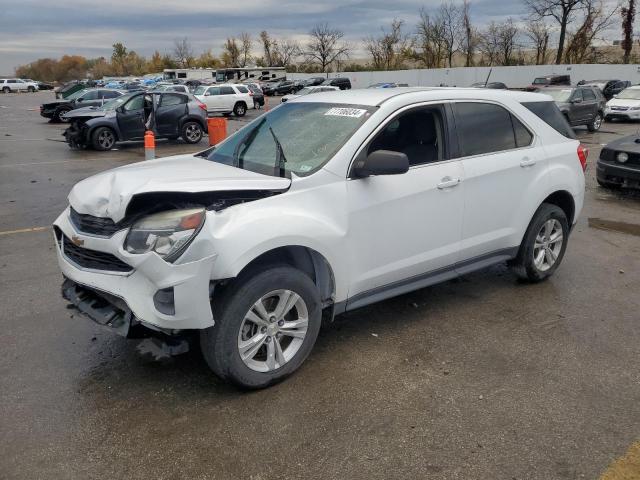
(107, 194)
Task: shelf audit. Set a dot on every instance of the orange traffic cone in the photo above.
(149, 145)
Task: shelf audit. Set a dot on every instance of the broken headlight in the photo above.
(166, 233)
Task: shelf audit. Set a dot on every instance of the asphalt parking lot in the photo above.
(480, 378)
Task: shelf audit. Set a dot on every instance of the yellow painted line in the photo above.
(627, 467)
(24, 230)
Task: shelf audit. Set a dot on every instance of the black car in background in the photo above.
(619, 163)
(314, 81)
(256, 93)
(286, 87)
(89, 97)
(582, 105)
(549, 81)
(342, 83)
(491, 85)
(609, 88)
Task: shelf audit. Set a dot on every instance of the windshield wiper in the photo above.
(280, 158)
(246, 140)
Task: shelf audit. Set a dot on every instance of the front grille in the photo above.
(104, 227)
(620, 109)
(93, 259)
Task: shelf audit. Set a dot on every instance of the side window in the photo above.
(577, 95)
(523, 136)
(92, 95)
(418, 133)
(169, 99)
(182, 75)
(483, 128)
(588, 95)
(136, 103)
(242, 89)
(214, 91)
(110, 94)
(226, 91)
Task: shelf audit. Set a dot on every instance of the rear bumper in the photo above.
(623, 175)
(136, 290)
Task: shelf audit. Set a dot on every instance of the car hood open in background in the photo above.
(107, 194)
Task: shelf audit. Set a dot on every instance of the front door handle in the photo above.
(448, 182)
(527, 162)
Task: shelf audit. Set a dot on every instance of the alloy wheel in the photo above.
(548, 245)
(273, 330)
(106, 139)
(193, 132)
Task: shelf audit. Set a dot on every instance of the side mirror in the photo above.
(207, 94)
(381, 162)
(80, 100)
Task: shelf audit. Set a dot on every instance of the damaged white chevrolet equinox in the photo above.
(325, 204)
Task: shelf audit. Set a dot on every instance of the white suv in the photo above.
(225, 98)
(325, 204)
(16, 84)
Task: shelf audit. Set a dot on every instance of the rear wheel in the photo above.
(240, 109)
(596, 123)
(192, 132)
(31, 89)
(266, 324)
(103, 138)
(543, 245)
(6, 90)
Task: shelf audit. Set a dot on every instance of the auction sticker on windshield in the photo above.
(346, 112)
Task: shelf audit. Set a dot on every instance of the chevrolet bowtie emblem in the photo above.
(77, 241)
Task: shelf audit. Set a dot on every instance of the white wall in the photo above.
(513, 77)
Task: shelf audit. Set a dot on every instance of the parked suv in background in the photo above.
(89, 97)
(624, 106)
(341, 82)
(225, 98)
(328, 203)
(609, 88)
(169, 114)
(8, 85)
(549, 81)
(580, 105)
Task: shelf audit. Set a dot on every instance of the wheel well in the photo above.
(564, 200)
(93, 129)
(240, 102)
(304, 259)
(193, 119)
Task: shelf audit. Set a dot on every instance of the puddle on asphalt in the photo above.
(623, 227)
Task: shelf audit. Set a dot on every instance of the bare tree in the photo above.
(183, 52)
(246, 44)
(326, 46)
(628, 15)
(389, 51)
(470, 41)
(430, 43)
(231, 53)
(286, 52)
(490, 44)
(562, 11)
(507, 33)
(538, 32)
(267, 49)
(580, 48)
(450, 17)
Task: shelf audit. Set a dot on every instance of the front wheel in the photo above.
(31, 90)
(240, 109)
(596, 123)
(266, 325)
(544, 244)
(103, 138)
(6, 90)
(58, 116)
(192, 132)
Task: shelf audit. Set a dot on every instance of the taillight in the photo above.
(583, 153)
(202, 105)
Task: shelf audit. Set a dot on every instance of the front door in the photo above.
(406, 229)
(213, 100)
(172, 107)
(131, 118)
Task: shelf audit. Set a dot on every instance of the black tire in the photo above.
(240, 109)
(191, 132)
(103, 138)
(524, 265)
(219, 343)
(31, 89)
(57, 117)
(6, 90)
(596, 123)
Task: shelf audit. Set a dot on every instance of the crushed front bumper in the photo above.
(624, 175)
(186, 285)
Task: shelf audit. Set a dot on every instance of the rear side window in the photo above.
(173, 99)
(226, 91)
(588, 94)
(549, 112)
(242, 89)
(486, 128)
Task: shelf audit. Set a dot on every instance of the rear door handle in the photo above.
(448, 182)
(527, 162)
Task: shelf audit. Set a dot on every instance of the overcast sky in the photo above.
(32, 29)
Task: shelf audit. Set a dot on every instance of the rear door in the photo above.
(590, 104)
(502, 162)
(228, 98)
(172, 108)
